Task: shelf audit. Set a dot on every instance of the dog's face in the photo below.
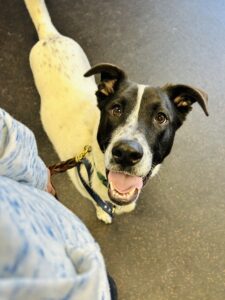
(137, 127)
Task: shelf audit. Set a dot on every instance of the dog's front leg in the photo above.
(103, 216)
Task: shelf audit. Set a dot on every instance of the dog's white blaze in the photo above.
(130, 131)
(133, 118)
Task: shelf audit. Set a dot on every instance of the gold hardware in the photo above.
(80, 156)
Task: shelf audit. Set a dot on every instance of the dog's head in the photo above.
(137, 127)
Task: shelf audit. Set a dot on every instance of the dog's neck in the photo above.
(98, 161)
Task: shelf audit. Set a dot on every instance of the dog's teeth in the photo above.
(124, 196)
(132, 191)
(116, 193)
(111, 186)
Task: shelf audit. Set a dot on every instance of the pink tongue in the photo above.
(124, 183)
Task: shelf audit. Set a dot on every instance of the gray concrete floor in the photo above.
(173, 245)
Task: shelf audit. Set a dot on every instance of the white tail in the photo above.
(41, 19)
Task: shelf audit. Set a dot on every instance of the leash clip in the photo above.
(82, 155)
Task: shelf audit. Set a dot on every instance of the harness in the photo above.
(77, 162)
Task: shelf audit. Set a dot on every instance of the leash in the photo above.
(76, 162)
(63, 166)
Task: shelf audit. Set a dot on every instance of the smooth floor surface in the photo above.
(173, 245)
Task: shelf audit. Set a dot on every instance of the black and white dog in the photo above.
(131, 127)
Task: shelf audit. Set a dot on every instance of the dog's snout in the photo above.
(127, 152)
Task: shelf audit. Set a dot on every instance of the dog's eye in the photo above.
(116, 110)
(161, 118)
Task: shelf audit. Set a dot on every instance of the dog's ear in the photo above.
(183, 96)
(111, 76)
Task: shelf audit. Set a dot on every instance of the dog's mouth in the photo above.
(124, 188)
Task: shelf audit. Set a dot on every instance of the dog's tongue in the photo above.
(124, 183)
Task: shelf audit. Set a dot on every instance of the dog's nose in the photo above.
(127, 152)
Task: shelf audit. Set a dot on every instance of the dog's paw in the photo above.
(103, 216)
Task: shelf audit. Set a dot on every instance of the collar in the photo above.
(107, 206)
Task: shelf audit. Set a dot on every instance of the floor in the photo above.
(173, 245)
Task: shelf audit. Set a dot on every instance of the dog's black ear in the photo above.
(111, 76)
(183, 96)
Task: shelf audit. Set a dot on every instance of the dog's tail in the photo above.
(41, 19)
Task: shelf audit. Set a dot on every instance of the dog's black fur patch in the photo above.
(126, 97)
(172, 102)
(159, 137)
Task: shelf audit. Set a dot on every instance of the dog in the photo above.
(129, 126)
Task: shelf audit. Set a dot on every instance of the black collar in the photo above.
(107, 206)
